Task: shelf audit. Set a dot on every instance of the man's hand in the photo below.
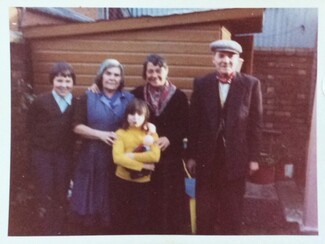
(191, 166)
(253, 167)
(163, 143)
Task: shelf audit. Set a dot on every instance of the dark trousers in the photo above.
(220, 201)
(168, 207)
(132, 207)
(219, 210)
(51, 171)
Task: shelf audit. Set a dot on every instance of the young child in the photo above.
(51, 140)
(132, 192)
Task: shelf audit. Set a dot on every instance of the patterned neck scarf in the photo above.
(158, 97)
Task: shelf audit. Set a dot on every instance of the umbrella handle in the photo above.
(186, 171)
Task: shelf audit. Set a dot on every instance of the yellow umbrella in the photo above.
(190, 191)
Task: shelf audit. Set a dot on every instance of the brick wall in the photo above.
(288, 86)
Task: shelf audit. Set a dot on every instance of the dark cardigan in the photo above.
(48, 128)
(172, 122)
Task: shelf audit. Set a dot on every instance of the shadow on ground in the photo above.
(263, 214)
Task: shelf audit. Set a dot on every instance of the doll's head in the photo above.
(148, 140)
(136, 115)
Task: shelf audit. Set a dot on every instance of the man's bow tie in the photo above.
(225, 80)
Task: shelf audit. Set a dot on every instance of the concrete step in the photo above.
(261, 191)
(292, 201)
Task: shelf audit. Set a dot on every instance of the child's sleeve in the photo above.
(120, 158)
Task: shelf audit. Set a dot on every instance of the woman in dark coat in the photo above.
(169, 112)
(51, 140)
(97, 117)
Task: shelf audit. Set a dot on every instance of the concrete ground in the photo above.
(272, 209)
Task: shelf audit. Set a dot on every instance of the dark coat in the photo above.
(48, 128)
(167, 205)
(171, 123)
(242, 127)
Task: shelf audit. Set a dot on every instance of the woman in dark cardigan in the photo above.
(51, 140)
(169, 112)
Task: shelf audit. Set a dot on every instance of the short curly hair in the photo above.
(155, 59)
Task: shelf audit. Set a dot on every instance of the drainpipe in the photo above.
(310, 219)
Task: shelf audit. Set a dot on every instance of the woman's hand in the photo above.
(150, 127)
(107, 136)
(150, 167)
(94, 88)
(85, 131)
(163, 143)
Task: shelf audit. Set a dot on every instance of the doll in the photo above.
(148, 140)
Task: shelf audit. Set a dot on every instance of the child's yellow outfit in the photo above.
(127, 141)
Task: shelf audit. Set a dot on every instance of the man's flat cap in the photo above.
(226, 46)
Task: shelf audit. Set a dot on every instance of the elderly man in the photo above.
(225, 128)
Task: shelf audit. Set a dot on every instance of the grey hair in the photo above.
(109, 63)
